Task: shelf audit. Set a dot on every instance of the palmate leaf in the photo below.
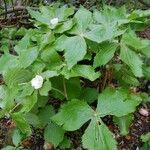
(85, 71)
(62, 88)
(124, 123)
(83, 18)
(138, 44)
(28, 56)
(16, 76)
(29, 102)
(105, 54)
(21, 123)
(53, 134)
(111, 15)
(98, 137)
(101, 33)
(132, 60)
(73, 115)
(117, 102)
(75, 50)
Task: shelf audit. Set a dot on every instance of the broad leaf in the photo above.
(84, 71)
(21, 123)
(7, 62)
(73, 115)
(29, 102)
(45, 114)
(75, 50)
(100, 33)
(124, 123)
(53, 134)
(45, 88)
(89, 94)
(16, 137)
(62, 88)
(98, 137)
(17, 76)
(132, 60)
(105, 54)
(117, 102)
(28, 56)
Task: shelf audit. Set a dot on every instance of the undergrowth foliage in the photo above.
(55, 60)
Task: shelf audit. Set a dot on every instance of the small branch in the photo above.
(144, 3)
(14, 18)
(65, 90)
(14, 9)
(5, 8)
(58, 91)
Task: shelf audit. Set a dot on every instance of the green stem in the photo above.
(58, 91)
(65, 90)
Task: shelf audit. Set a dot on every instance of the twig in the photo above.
(144, 3)
(5, 8)
(16, 8)
(14, 18)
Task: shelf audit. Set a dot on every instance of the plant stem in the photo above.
(58, 91)
(65, 91)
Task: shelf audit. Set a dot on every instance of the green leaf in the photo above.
(7, 62)
(139, 14)
(98, 137)
(85, 71)
(132, 60)
(32, 119)
(8, 100)
(53, 134)
(145, 137)
(45, 88)
(73, 115)
(46, 39)
(75, 50)
(111, 15)
(62, 88)
(23, 43)
(83, 18)
(29, 102)
(67, 25)
(146, 71)
(49, 74)
(16, 76)
(2, 92)
(28, 56)
(27, 90)
(16, 137)
(45, 114)
(65, 144)
(21, 123)
(38, 16)
(100, 33)
(89, 94)
(105, 54)
(59, 44)
(117, 102)
(8, 148)
(124, 123)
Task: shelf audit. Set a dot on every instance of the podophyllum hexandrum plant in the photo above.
(56, 58)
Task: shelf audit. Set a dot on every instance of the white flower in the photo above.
(37, 82)
(54, 21)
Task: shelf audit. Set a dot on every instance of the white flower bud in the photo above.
(37, 82)
(54, 21)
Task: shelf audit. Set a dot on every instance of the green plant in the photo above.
(55, 59)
